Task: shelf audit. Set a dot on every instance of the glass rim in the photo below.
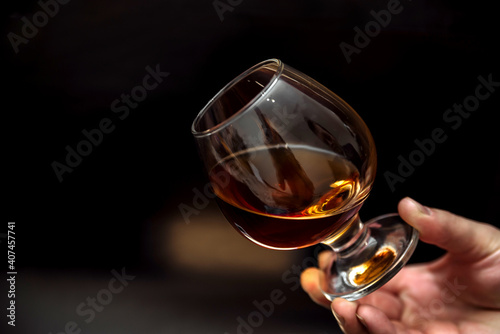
(276, 76)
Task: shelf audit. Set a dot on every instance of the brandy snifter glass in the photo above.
(291, 164)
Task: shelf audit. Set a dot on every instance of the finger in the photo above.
(374, 320)
(309, 279)
(385, 301)
(458, 235)
(325, 258)
(345, 313)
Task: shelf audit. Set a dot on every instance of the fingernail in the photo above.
(340, 320)
(361, 320)
(422, 209)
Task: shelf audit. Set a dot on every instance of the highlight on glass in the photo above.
(291, 164)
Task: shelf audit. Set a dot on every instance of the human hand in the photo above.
(457, 293)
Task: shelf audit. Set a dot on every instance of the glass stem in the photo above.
(351, 241)
(366, 256)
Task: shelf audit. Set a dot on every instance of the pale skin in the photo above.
(457, 293)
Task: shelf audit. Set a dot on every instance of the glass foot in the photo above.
(375, 252)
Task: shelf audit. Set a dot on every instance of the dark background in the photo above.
(117, 207)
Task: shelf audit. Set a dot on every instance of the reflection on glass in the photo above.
(291, 164)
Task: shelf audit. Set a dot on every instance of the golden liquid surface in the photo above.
(294, 182)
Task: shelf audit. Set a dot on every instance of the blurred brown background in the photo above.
(119, 207)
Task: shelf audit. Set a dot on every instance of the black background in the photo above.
(65, 78)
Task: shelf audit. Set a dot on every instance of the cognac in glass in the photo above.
(291, 164)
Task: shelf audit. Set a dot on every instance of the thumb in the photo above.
(469, 239)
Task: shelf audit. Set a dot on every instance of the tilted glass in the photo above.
(291, 164)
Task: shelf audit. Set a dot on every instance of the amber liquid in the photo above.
(287, 197)
(373, 268)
